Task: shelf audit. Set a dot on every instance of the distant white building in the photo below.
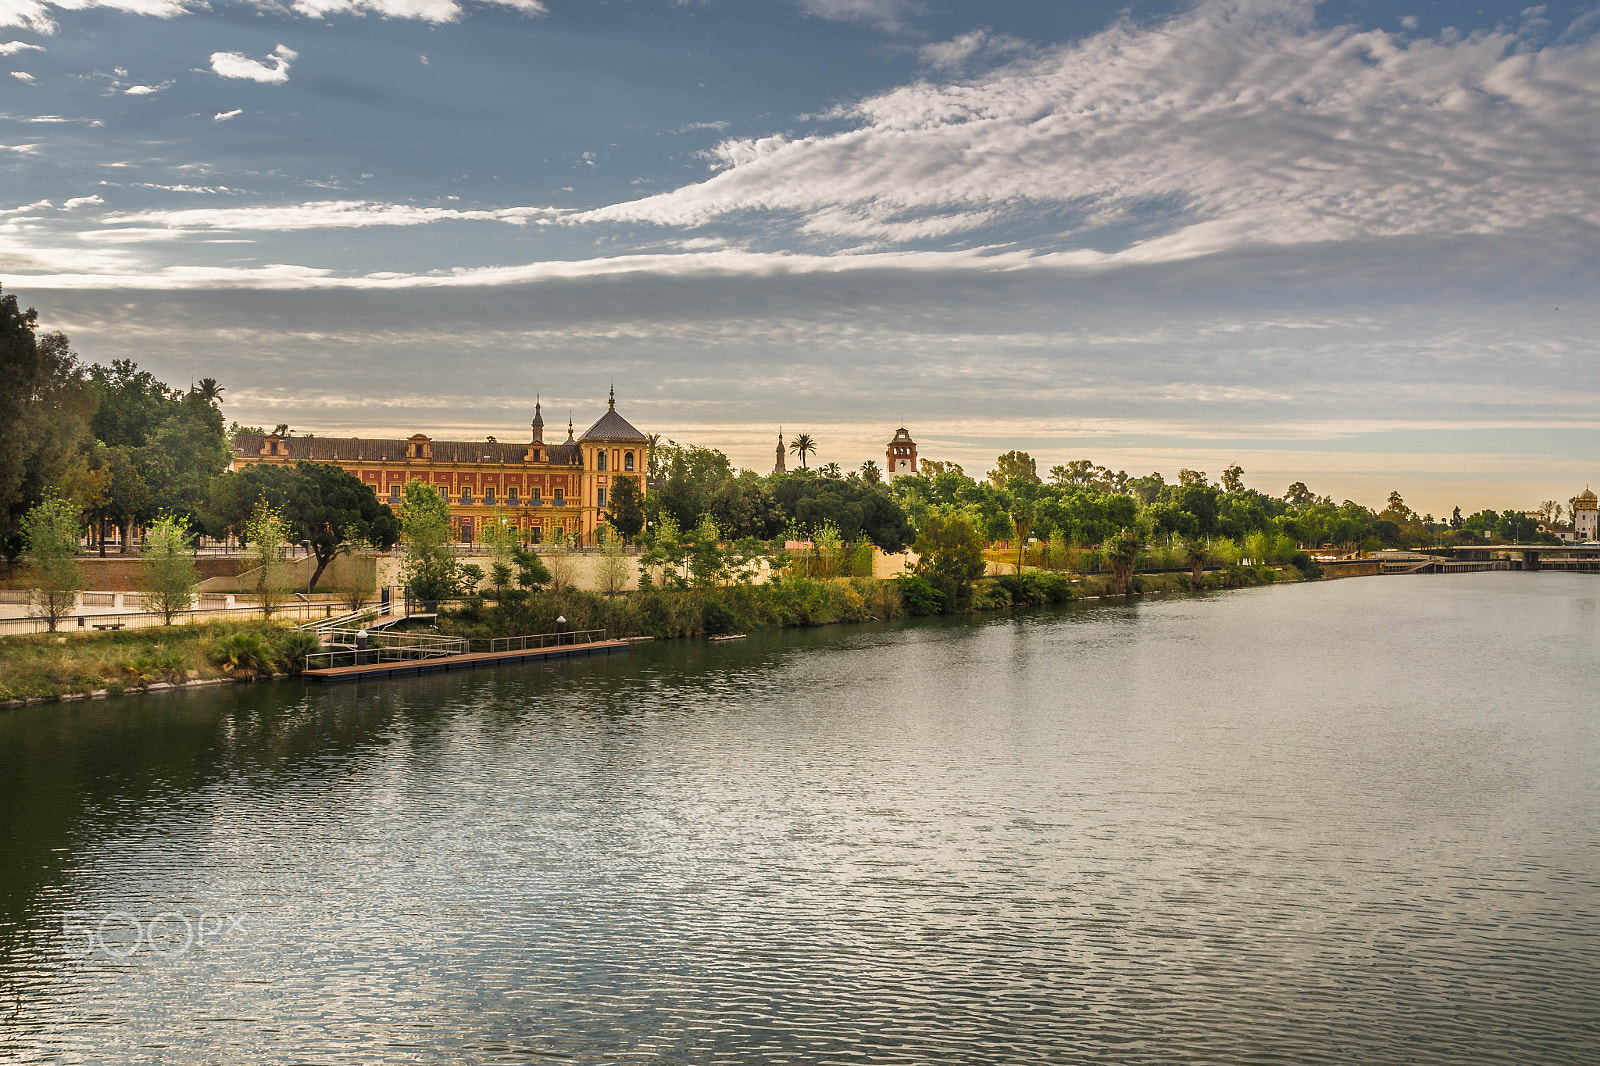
(1586, 515)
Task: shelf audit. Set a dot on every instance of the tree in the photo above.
(1196, 555)
(429, 567)
(265, 534)
(45, 408)
(184, 453)
(745, 507)
(208, 390)
(1195, 478)
(127, 492)
(1122, 552)
(803, 445)
(322, 504)
(627, 507)
(870, 473)
(1014, 464)
(499, 536)
(50, 533)
(932, 468)
(1233, 479)
(950, 558)
(1456, 521)
(613, 568)
(560, 565)
(1298, 496)
(831, 470)
(167, 573)
(1077, 472)
(707, 564)
(1397, 511)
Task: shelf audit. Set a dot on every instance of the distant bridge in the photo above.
(1584, 558)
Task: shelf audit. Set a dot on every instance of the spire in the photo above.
(778, 467)
(613, 400)
(569, 427)
(538, 422)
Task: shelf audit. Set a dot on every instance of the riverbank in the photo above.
(797, 602)
(57, 666)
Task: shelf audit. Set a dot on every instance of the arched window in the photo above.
(600, 459)
(627, 460)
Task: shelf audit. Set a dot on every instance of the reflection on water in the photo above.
(1352, 821)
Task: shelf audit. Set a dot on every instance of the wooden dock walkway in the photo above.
(472, 661)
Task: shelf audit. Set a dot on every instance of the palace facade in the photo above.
(547, 491)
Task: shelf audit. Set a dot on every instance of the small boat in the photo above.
(728, 636)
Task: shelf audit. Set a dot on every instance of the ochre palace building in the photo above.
(545, 490)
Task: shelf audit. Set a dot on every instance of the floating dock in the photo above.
(471, 661)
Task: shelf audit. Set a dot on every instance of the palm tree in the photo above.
(870, 472)
(1197, 554)
(209, 389)
(802, 446)
(1122, 552)
(831, 470)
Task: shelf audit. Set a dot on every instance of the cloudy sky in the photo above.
(1349, 242)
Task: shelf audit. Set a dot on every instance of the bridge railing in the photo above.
(546, 640)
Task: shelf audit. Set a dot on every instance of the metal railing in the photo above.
(546, 640)
(344, 621)
(77, 622)
(343, 647)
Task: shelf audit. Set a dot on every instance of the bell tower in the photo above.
(902, 455)
(778, 467)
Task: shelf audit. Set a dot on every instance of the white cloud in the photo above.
(27, 14)
(25, 149)
(24, 76)
(82, 201)
(223, 116)
(955, 53)
(11, 48)
(1409, 22)
(329, 214)
(1239, 122)
(146, 90)
(274, 71)
(425, 10)
(888, 15)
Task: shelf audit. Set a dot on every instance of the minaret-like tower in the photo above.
(538, 423)
(778, 467)
(902, 455)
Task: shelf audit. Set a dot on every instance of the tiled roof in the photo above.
(613, 426)
(378, 449)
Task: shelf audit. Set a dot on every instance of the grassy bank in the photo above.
(50, 666)
(795, 602)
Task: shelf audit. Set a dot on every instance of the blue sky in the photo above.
(1347, 242)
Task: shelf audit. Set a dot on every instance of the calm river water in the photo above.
(1354, 821)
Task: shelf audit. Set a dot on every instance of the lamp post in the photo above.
(306, 544)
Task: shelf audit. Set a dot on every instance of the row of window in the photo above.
(600, 460)
(536, 499)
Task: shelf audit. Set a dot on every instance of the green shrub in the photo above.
(717, 617)
(918, 596)
(293, 647)
(990, 596)
(242, 653)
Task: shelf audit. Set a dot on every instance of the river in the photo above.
(1352, 821)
